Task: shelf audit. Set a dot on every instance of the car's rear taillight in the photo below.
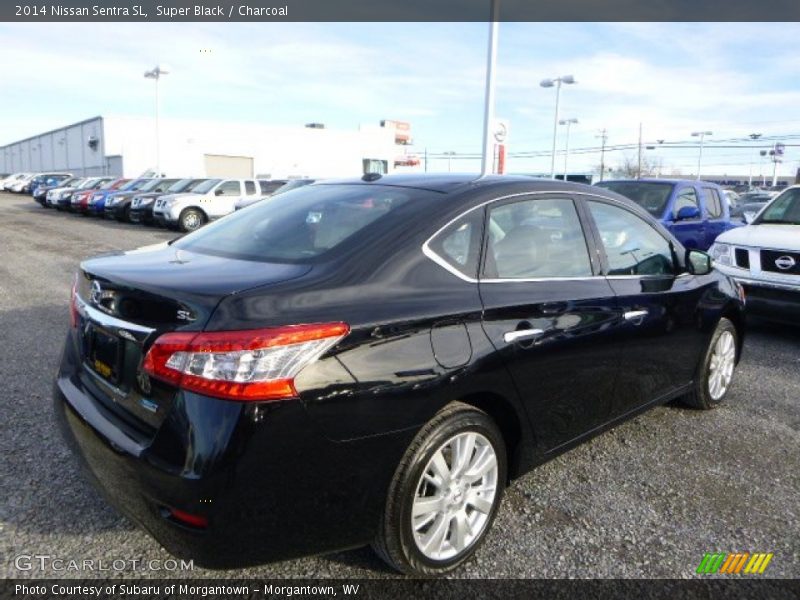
(73, 303)
(258, 364)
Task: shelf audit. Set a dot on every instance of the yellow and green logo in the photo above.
(734, 563)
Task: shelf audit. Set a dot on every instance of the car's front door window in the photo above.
(230, 188)
(687, 197)
(632, 246)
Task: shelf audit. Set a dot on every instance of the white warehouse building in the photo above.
(126, 146)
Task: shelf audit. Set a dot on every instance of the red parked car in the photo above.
(80, 202)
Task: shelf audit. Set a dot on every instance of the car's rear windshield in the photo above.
(785, 209)
(297, 226)
(651, 196)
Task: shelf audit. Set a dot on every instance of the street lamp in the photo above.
(548, 83)
(568, 123)
(156, 73)
(754, 137)
(702, 135)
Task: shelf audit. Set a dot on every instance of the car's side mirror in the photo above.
(218, 192)
(698, 262)
(687, 212)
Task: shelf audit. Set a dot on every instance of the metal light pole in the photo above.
(762, 176)
(487, 158)
(754, 137)
(156, 74)
(702, 135)
(603, 139)
(639, 161)
(548, 83)
(568, 123)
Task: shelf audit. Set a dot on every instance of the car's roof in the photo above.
(658, 180)
(452, 182)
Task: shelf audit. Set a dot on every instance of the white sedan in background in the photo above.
(764, 257)
(6, 183)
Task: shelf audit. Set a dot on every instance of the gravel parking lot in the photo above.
(647, 499)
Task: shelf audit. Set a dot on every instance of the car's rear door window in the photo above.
(530, 239)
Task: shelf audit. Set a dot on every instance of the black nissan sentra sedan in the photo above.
(373, 361)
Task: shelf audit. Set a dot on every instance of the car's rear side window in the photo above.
(713, 203)
(459, 244)
(298, 225)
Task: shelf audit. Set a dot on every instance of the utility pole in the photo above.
(603, 139)
(426, 159)
(639, 168)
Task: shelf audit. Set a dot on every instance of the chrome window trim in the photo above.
(427, 251)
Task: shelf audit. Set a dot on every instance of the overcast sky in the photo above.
(732, 79)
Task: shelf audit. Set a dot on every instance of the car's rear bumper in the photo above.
(271, 485)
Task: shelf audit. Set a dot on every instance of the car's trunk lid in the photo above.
(127, 300)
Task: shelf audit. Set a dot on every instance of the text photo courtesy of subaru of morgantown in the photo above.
(472, 300)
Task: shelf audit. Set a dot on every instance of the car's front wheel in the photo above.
(715, 372)
(445, 493)
(191, 219)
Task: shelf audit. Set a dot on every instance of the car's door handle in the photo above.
(521, 334)
(633, 315)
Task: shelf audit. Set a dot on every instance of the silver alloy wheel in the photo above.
(455, 496)
(191, 221)
(720, 369)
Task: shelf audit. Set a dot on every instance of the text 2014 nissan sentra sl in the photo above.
(372, 361)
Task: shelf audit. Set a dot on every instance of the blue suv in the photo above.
(696, 212)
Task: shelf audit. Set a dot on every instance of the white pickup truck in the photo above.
(764, 257)
(210, 200)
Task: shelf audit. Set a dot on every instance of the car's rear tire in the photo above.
(191, 219)
(716, 369)
(445, 493)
